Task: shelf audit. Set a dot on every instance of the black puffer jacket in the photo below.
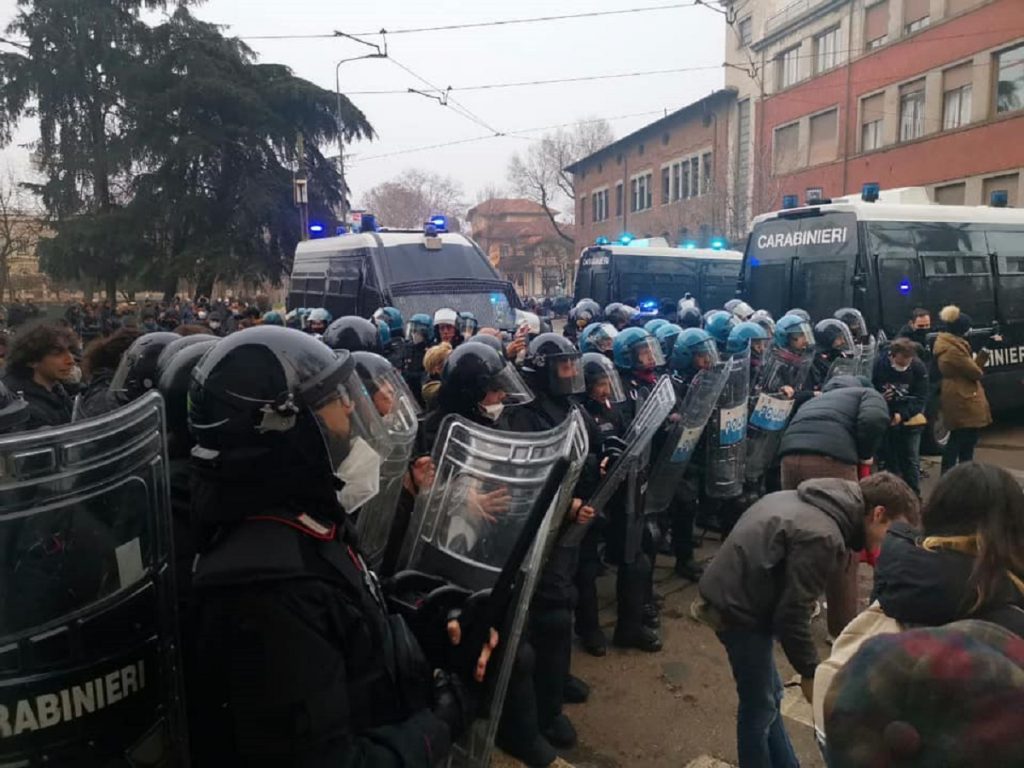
(776, 561)
(846, 422)
(922, 587)
(46, 407)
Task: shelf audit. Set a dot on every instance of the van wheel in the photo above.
(936, 436)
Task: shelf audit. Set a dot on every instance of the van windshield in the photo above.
(412, 262)
(490, 309)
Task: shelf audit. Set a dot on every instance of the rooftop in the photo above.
(498, 206)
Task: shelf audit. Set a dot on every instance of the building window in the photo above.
(640, 150)
(956, 96)
(1010, 80)
(745, 30)
(706, 171)
(826, 50)
(1009, 182)
(912, 111)
(583, 209)
(640, 189)
(915, 15)
(951, 194)
(666, 185)
(786, 148)
(876, 25)
(788, 67)
(618, 199)
(677, 183)
(872, 122)
(824, 137)
(600, 206)
(694, 176)
(684, 190)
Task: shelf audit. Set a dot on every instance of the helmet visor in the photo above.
(800, 336)
(646, 354)
(509, 382)
(704, 354)
(393, 401)
(833, 335)
(565, 374)
(602, 338)
(347, 413)
(417, 333)
(602, 380)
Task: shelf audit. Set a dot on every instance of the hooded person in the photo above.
(293, 664)
(763, 583)
(965, 408)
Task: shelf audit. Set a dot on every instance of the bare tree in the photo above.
(20, 228)
(539, 174)
(413, 197)
(491, 192)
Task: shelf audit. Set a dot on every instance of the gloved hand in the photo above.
(454, 703)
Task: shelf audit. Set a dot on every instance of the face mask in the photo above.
(214, 324)
(76, 376)
(493, 412)
(901, 368)
(360, 471)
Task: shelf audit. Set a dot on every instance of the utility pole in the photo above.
(302, 188)
(381, 53)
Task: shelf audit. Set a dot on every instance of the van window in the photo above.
(956, 268)
(412, 262)
(1007, 246)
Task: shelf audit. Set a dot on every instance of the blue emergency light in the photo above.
(1000, 198)
(440, 222)
(790, 201)
(368, 223)
(341, 229)
(626, 238)
(905, 286)
(869, 192)
(717, 244)
(690, 245)
(649, 306)
(602, 240)
(316, 228)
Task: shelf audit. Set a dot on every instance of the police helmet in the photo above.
(13, 410)
(744, 335)
(764, 318)
(652, 326)
(803, 314)
(739, 308)
(473, 370)
(275, 401)
(419, 328)
(666, 336)
(854, 321)
(136, 373)
(317, 320)
(585, 312)
(467, 324)
(790, 330)
(832, 335)
(446, 316)
(719, 325)
(390, 393)
(392, 318)
(180, 343)
(356, 334)
(598, 370)
(273, 318)
(174, 374)
(689, 317)
(636, 349)
(619, 315)
(491, 341)
(694, 350)
(687, 302)
(554, 364)
(598, 337)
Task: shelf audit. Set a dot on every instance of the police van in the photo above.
(647, 273)
(888, 252)
(413, 270)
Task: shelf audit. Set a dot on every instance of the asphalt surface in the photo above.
(678, 707)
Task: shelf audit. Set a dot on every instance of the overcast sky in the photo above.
(637, 41)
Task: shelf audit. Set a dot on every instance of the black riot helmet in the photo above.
(619, 315)
(174, 375)
(356, 334)
(471, 372)
(182, 342)
(136, 373)
(13, 411)
(391, 395)
(854, 320)
(585, 312)
(491, 341)
(554, 364)
(276, 403)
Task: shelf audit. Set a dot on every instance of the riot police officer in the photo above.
(136, 374)
(317, 321)
(299, 662)
(13, 411)
(585, 312)
(355, 334)
(620, 315)
(719, 325)
(467, 324)
(394, 349)
(834, 352)
(417, 339)
(598, 337)
(446, 327)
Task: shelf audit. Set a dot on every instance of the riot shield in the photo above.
(845, 365)
(867, 357)
(770, 409)
(467, 524)
(693, 411)
(727, 433)
(91, 672)
(375, 518)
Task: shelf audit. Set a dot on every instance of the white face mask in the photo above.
(493, 412)
(76, 376)
(215, 324)
(360, 471)
(901, 368)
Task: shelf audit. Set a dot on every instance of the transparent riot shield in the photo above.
(727, 433)
(867, 357)
(91, 671)
(467, 524)
(375, 519)
(693, 412)
(845, 365)
(770, 408)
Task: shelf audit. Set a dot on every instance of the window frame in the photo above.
(775, 143)
(829, 34)
(783, 60)
(917, 98)
(997, 71)
(961, 104)
(745, 39)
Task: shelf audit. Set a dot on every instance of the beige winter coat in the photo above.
(964, 404)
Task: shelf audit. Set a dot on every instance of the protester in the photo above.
(965, 408)
(100, 361)
(950, 696)
(763, 583)
(41, 359)
(433, 365)
(903, 381)
(917, 330)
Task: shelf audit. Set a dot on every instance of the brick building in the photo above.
(667, 179)
(518, 237)
(835, 93)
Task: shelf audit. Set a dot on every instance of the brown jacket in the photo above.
(964, 404)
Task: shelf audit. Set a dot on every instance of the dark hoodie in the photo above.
(776, 561)
(917, 586)
(846, 422)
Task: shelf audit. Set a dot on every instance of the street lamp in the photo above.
(380, 54)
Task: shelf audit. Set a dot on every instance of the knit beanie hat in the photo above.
(957, 322)
(941, 696)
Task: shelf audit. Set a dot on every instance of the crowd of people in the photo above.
(289, 641)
